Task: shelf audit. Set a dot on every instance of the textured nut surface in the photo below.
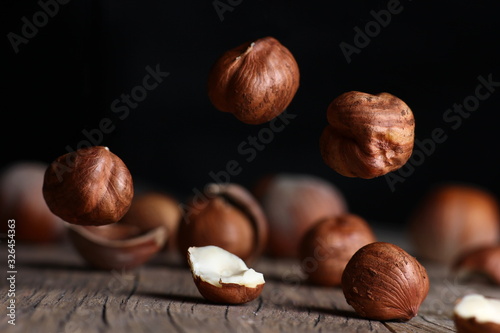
(255, 81)
(228, 216)
(483, 260)
(368, 135)
(327, 247)
(293, 203)
(383, 282)
(452, 219)
(91, 186)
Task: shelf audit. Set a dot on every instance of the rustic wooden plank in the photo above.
(57, 292)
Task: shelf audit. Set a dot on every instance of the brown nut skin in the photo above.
(471, 325)
(368, 135)
(327, 247)
(230, 293)
(255, 81)
(227, 216)
(451, 219)
(293, 203)
(21, 199)
(91, 186)
(152, 209)
(484, 261)
(383, 282)
(116, 246)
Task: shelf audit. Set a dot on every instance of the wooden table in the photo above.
(57, 292)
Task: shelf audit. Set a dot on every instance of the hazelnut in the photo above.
(483, 261)
(327, 247)
(452, 219)
(255, 81)
(222, 277)
(152, 209)
(116, 246)
(21, 199)
(381, 281)
(293, 203)
(477, 313)
(368, 135)
(227, 216)
(91, 186)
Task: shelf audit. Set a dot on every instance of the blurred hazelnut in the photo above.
(452, 219)
(482, 261)
(293, 203)
(21, 199)
(327, 247)
(152, 209)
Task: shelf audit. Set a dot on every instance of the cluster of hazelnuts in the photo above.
(284, 215)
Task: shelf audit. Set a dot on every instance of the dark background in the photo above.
(65, 78)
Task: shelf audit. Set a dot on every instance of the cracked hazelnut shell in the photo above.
(255, 81)
(227, 216)
(116, 246)
(327, 247)
(381, 281)
(367, 136)
(91, 186)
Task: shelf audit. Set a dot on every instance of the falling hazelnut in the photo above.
(327, 247)
(116, 246)
(255, 81)
(151, 209)
(451, 219)
(293, 203)
(227, 216)
(91, 186)
(21, 199)
(368, 135)
(475, 313)
(381, 281)
(222, 277)
(483, 261)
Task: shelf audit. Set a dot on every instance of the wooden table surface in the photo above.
(57, 292)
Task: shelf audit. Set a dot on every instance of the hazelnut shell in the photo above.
(116, 246)
(91, 186)
(381, 281)
(229, 293)
(368, 135)
(255, 81)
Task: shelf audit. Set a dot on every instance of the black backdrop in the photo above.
(67, 74)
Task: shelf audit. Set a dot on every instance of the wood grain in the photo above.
(57, 292)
